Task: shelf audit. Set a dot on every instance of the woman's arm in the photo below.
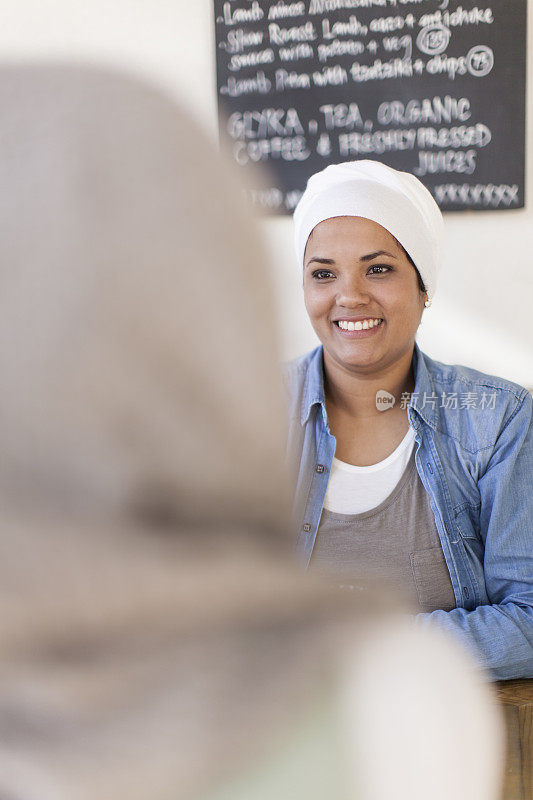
(501, 634)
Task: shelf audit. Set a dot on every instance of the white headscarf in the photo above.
(397, 201)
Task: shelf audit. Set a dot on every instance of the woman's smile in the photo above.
(358, 326)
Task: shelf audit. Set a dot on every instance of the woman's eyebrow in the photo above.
(328, 261)
(370, 256)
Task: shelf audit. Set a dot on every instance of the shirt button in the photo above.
(320, 468)
(307, 527)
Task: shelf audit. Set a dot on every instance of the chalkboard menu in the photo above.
(433, 87)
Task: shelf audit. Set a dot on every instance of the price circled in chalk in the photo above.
(433, 39)
(480, 60)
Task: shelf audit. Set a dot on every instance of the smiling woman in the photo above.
(409, 472)
(365, 308)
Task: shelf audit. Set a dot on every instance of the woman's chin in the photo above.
(356, 356)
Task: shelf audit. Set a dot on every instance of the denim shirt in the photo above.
(474, 455)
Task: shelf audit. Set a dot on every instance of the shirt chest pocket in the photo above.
(432, 580)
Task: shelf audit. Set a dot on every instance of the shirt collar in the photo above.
(424, 400)
(313, 392)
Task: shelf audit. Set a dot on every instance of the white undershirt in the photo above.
(352, 490)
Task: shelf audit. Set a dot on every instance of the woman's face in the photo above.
(355, 273)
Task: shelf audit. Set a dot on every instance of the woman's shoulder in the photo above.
(303, 377)
(475, 407)
(467, 378)
(302, 362)
(296, 370)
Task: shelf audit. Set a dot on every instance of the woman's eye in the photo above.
(322, 274)
(379, 269)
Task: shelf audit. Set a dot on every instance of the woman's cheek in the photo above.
(315, 303)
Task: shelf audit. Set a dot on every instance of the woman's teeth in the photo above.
(360, 325)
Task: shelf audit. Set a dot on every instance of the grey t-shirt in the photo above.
(396, 543)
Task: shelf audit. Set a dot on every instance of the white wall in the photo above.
(482, 314)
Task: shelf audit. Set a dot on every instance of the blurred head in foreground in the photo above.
(154, 637)
(138, 350)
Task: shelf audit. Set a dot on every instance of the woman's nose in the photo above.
(352, 292)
